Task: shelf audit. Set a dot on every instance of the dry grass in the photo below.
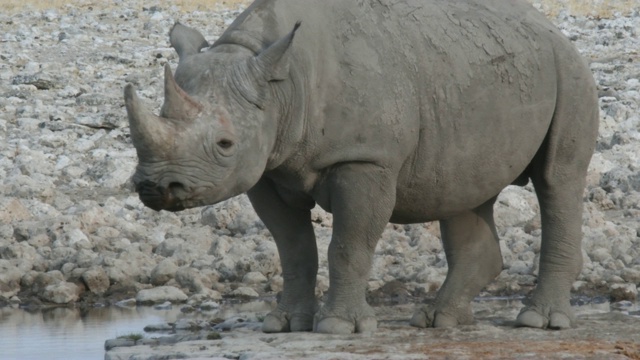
(596, 8)
(15, 6)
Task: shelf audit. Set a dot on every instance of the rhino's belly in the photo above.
(414, 206)
(460, 166)
(423, 204)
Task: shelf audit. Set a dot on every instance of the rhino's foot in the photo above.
(429, 316)
(281, 321)
(534, 317)
(333, 322)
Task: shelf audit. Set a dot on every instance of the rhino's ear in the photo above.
(273, 62)
(186, 41)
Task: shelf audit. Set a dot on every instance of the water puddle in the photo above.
(80, 334)
(73, 334)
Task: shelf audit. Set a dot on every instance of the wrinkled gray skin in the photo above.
(379, 111)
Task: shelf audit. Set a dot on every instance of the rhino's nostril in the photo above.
(176, 188)
(175, 185)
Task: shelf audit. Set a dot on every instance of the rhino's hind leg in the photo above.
(558, 173)
(362, 197)
(292, 230)
(560, 259)
(473, 255)
(560, 252)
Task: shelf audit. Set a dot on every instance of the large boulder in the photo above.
(96, 280)
(163, 272)
(61, 293)
(10, 277)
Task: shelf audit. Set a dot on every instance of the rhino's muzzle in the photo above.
(159, 197)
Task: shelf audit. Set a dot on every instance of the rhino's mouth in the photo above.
(158, 197)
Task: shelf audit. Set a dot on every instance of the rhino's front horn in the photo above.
(150, 134)
(177, 103)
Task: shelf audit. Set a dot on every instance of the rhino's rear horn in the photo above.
(150, 133)
(177, 103)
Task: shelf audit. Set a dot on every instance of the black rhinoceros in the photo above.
(379, 111)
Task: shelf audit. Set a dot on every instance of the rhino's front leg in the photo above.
(293, 233)
(362, 197)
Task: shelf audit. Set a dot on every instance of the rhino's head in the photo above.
(216, 128)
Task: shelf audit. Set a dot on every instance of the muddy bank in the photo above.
(601, 334)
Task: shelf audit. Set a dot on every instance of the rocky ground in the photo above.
(72, 230)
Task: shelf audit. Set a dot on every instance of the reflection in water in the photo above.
(64, 333)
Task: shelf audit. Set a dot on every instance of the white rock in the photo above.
(192, 279)
(61, 293)
(164, 306)
(205, 295)
(77, 239)
(163, 272)
(10, 277)
(253, 278)
(12, 209)
(209, 305)
(168, 246)
(96, 280)
(161, 294)
(244, 291)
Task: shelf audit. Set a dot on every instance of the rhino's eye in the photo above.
(225, 144)
(225, 147)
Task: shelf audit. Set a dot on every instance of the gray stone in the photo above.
(43, 280)
(96, 280)
(126, 303)
(192, 279)
(78, 240)
(234, 215)
(164, 306)
(205, 295)
(10, 277)
(40, 81)
(168, 247)
(158, 327)
(114, 343)
(12, 209)
(209, 305)
(163, 272)
(619, 292)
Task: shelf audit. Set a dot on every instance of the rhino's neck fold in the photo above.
(244, 85)
(290, 111)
